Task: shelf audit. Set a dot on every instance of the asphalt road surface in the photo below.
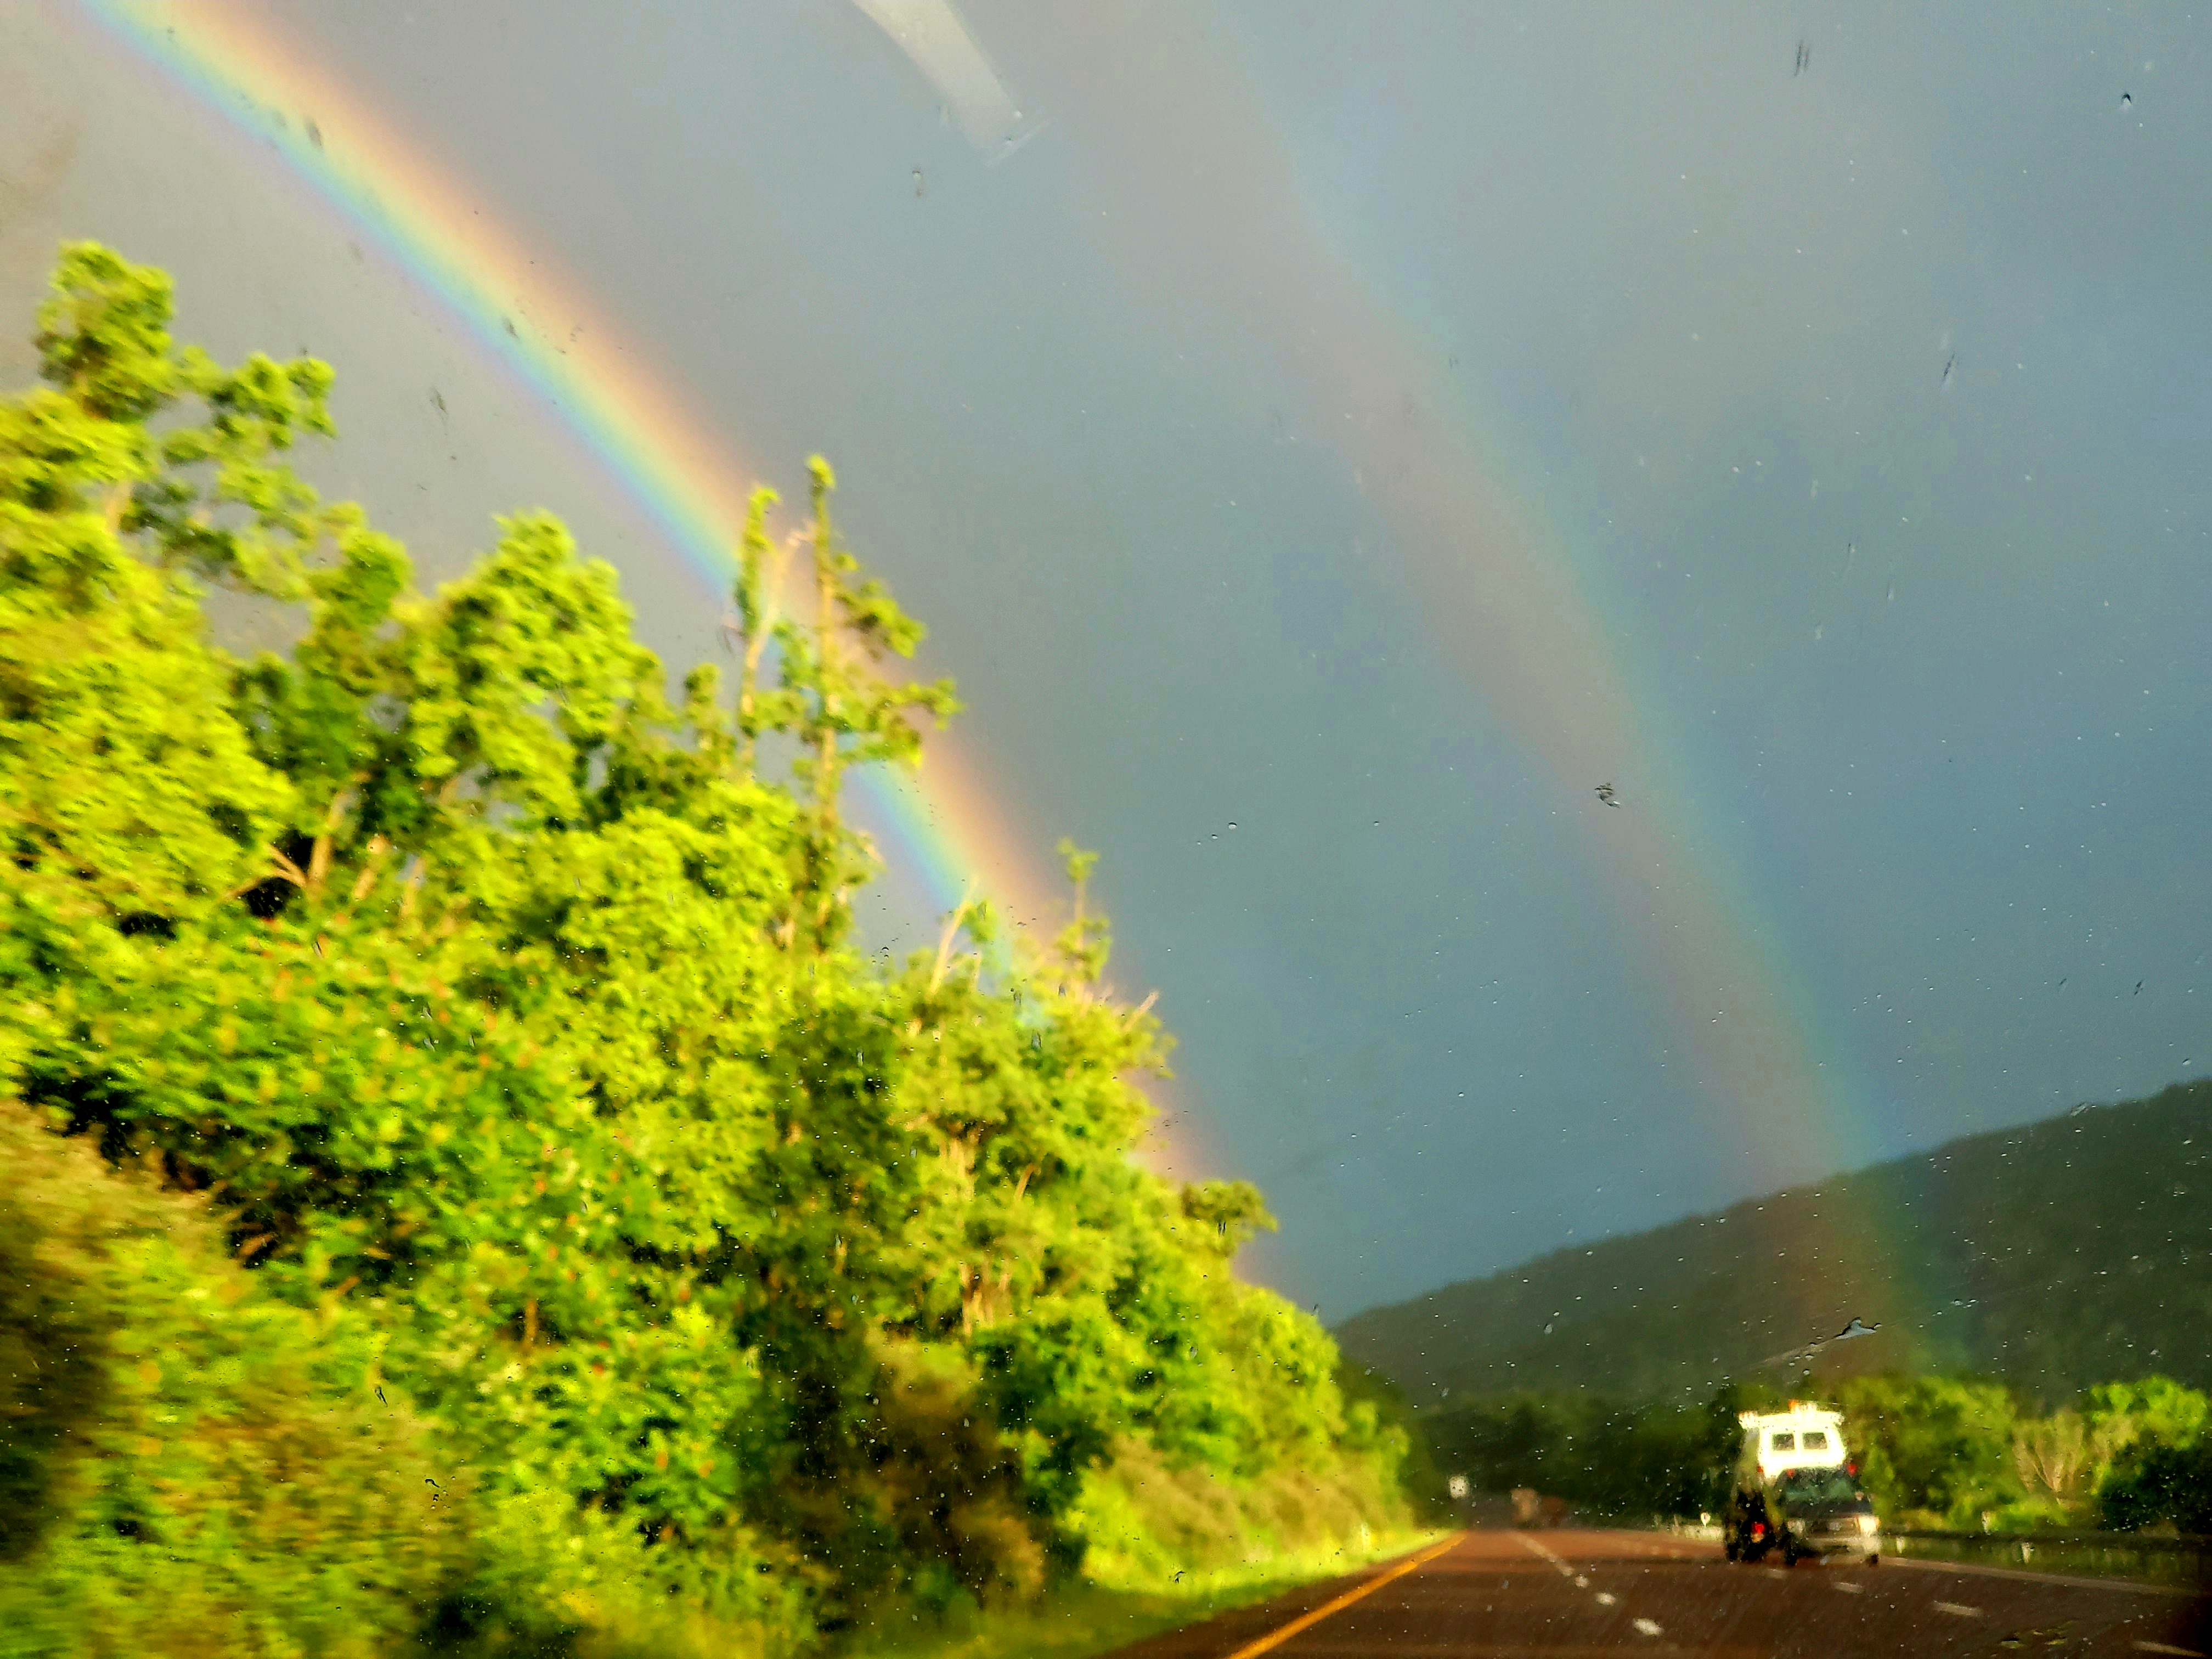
(1559, 1594)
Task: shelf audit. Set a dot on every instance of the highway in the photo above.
(1567, 1593)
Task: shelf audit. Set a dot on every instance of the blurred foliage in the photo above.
(1608, 1457)
(1371, 1397)
(1934, 1450)
(585, 1244)
(192, 1466)
(2160, 1487)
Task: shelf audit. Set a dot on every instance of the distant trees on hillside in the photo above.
(1934, 1451)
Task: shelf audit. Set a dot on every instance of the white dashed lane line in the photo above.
(1958, 1610)
(1605, 1598)
(2162, 1647)
(1552, 1556)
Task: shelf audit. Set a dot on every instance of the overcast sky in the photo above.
(1375, 428)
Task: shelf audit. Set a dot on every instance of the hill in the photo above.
(2053, 1256)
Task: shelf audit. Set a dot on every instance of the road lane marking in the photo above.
(1275, 1638)
(1852, 1589)
(1605, 1598)
(2160, 1647)
(1565, 1571)
(1958, 1610)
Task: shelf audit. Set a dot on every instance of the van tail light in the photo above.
(1759, 1530)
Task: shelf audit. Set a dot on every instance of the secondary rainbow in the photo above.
(1480, 555)
(569, 354)
(1494, 568)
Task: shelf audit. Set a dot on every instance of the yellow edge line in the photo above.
(1275, 1638)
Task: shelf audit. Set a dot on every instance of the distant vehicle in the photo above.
(1532, 1509)
(1796, 1489)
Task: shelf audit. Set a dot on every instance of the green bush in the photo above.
(2157, 1484)
(192, 1466)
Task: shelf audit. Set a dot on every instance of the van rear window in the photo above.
(1816, 1440)
(1780, 1441)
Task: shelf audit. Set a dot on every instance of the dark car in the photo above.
(1823, 1513)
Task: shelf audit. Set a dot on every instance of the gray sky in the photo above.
(1374, 428)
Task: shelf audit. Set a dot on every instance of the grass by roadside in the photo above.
(1084, 1620)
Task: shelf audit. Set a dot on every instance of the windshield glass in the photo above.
(971, 828)
(1805, 1489)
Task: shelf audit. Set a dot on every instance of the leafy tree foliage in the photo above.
(502, 1019)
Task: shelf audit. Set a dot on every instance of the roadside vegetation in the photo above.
(1934, 1452)
(466, 1185)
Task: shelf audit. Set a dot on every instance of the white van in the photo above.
(1802, 1438)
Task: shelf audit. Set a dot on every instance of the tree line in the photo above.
(1934, 1452)
(466, 1181)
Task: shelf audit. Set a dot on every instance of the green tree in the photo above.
(1933, 1447)
(502, 1019)
(833, 697)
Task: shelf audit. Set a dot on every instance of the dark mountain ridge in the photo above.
(2065, 1253)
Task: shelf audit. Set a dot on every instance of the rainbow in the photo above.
(1482, 557)
(945, 830)
(568, 354)
(1489, 563)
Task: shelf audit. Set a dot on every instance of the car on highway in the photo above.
(1824, 1514)
(1795, 1489)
